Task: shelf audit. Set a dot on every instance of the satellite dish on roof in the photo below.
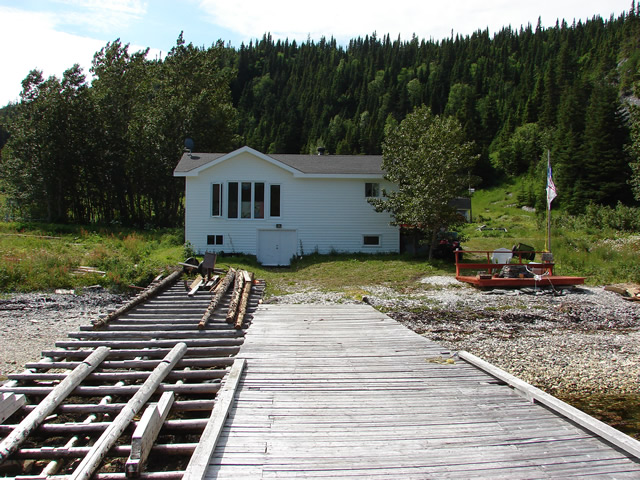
(188, 145)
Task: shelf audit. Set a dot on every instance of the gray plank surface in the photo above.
(343, 391)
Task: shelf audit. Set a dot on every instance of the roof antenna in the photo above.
(188, 146)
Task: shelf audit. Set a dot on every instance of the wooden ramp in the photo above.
(346, 392)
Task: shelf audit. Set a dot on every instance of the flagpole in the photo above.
(548, 246)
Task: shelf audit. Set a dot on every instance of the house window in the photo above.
(371, 189)
(216, 203)
(274, 197)
(258, 205)
(371, 240)
(215, 240)
(246, 200)
(232, 204)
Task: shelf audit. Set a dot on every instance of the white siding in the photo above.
(329, 214)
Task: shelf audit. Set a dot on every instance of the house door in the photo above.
(276, 247)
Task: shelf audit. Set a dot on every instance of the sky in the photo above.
(53, 35)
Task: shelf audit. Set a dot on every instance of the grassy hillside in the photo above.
(605, 250)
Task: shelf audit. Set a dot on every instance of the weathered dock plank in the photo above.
(346, 392)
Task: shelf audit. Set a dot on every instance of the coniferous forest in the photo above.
(104, 150)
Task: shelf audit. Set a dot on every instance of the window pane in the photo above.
(274, 209)
(372, 189)
(233, 200)
(216, 208)
(246, 200)
(371, 240)
(258, 208)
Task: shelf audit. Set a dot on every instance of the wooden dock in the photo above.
(346, 392)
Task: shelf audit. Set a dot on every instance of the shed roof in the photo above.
(311, 165)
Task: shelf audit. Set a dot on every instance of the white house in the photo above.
(279, 206)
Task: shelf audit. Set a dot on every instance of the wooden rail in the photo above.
(123, 392)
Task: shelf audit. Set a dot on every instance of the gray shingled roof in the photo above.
(306, 164)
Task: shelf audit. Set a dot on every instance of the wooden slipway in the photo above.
(346, 392)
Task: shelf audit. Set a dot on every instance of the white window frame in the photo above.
(239, 183)
(372, 235)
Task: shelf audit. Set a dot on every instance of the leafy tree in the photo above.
(428, 159)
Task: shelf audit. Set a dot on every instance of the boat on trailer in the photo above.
(521, 272)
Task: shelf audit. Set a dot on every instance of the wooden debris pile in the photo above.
(629, 291)
(242, 282)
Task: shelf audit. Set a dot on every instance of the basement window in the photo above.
(371, 240)
(215, 240)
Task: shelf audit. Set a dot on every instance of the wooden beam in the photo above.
(188, 362)
(195, 286)
(625, 442)
(90, 463)
(55, 397)
(102, 390)
(148, 352)
(150, 292)
(114, 408)
(9, 404)
(146, 433)
(199, 462)
(157, 343)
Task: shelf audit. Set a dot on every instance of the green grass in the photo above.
(43, 257)
(342, 272)
(602, 255)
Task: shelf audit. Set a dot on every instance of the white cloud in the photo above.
(345, 20)
(100, 15)
(36, 40)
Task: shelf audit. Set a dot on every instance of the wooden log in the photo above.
(211, 330)
(90, 463)
(55, 429)
(146, 433)
(101, 390)
(199, 461)
(111, 376)
(188, 362)
(111, 408)
(235, 297)
(9, 404)
(150, 353)
(150, 292)
(246, 291)
(117, 451)
(169, 475)
(203, 342)
(48, 404)
(223, 286)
